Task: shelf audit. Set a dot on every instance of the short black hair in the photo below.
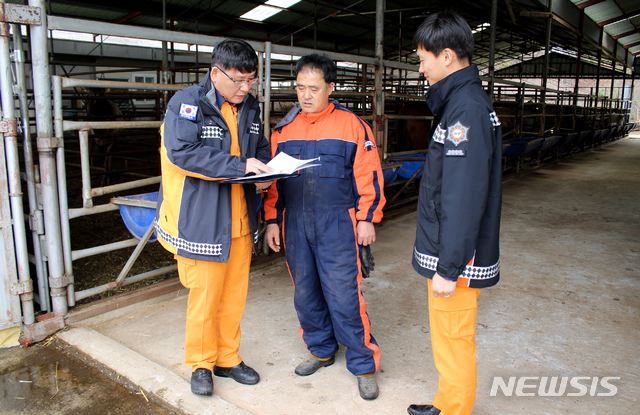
(319, 62)
(234, 54)
(443, 30)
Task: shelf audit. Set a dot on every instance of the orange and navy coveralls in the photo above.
(210, 227)
(458, 227)
(320, 209)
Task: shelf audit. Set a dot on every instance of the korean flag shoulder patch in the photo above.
(457, 133)
(188, 112)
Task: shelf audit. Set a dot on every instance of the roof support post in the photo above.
(492, 47)
(633, 79)
(545, 69)
(165, 58)
(576, 87)
(613, 83)
(378, 119)
(266, 125)
(598, 75)
(624, 82)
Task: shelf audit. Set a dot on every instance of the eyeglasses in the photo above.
(238, 83)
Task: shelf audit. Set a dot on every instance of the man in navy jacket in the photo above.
(457, 238)
(212, 131)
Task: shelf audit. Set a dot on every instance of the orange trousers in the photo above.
(217, 296)
(453, 339)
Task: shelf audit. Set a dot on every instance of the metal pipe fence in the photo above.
(88, 191)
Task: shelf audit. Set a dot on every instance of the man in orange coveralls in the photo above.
(328, 211)
(211, 131)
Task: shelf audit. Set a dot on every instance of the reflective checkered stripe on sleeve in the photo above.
(470, 272)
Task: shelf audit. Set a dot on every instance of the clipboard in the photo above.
(284, 166)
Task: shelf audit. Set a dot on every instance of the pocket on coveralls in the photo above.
(332, 161)
(456, 315)
(187, 271)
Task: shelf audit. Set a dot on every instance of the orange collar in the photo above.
(314, 117)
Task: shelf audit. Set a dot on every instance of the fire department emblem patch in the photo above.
(457, 134)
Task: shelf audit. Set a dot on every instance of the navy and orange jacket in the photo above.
(194, 209)
(460, 198)
(349, 175)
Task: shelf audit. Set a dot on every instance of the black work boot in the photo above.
(202, 382)
(423, 410)
(240, 373)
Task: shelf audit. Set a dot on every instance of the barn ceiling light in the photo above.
(285, 4)
(480, 28)
(268, 9)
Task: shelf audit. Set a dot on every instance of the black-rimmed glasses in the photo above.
(238, 83)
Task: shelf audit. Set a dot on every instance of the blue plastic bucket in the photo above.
(409, 168)
(137, 218)
(389, 174)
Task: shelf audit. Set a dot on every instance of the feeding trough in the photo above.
(138, 213)
(410, 165)
(530, 145)
(549, 142)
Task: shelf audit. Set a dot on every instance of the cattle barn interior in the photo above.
(86, 84)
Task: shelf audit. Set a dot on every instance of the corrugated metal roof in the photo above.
(617, 17)
(603, 11)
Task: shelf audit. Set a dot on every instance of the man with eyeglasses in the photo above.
(327, 213)
(212, 131)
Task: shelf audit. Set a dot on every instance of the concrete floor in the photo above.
(567, 305)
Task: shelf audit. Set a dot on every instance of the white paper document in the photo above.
(283, 165)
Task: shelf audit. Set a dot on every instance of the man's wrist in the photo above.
(442, 272)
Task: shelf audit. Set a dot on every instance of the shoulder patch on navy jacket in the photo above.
(188, 112)
(457, 134)
(439, 134)
(494, 119)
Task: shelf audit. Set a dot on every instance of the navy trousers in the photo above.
(322, 256)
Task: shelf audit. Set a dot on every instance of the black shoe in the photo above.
(240, 373)
(368, 388)
(311, 366)
(423, 410)
(202, 382)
